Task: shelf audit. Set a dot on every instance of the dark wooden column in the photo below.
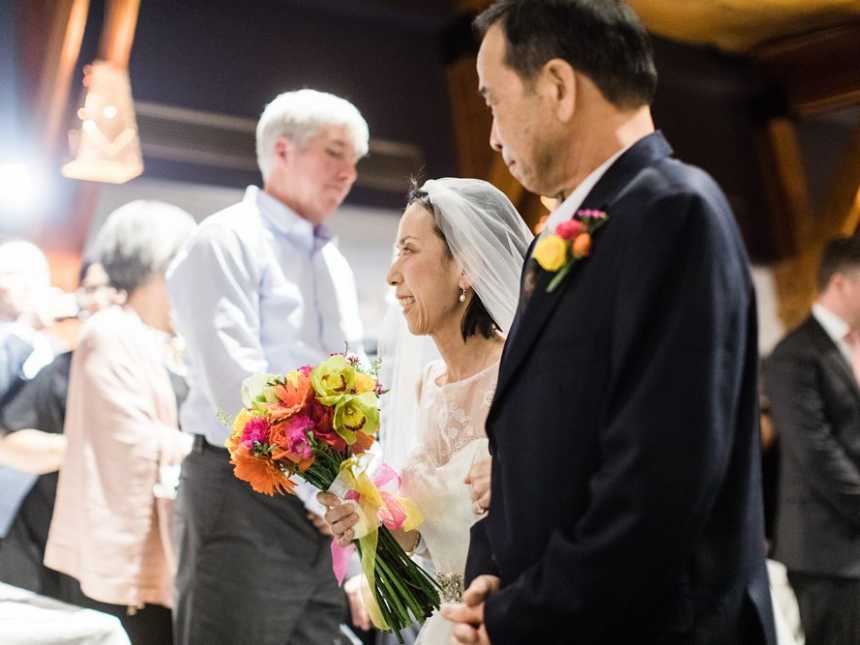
(818, 72)
(471, 117)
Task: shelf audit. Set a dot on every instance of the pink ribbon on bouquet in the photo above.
(376, 496)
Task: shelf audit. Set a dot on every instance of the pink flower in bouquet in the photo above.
(298, 438)
(255, 431)
(569, 230)
(291, 441)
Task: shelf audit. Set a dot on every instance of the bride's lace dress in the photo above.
(451, 421)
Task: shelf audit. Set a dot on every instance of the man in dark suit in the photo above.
(815, 401)
(626, 495)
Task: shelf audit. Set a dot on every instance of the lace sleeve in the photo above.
(453, 415)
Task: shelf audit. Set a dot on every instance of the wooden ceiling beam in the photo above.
(819, 71)
(740, 25)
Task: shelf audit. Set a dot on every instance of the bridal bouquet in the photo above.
(317, 423)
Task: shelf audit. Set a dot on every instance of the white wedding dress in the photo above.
(451, 437)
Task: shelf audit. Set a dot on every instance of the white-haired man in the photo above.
(262, 288)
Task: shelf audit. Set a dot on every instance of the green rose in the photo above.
(356, 412)
(332, 379)
(257, 391)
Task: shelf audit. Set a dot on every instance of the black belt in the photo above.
(202, 445)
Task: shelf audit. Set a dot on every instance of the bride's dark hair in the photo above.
(476, 320)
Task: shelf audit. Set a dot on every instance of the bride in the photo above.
(461, 246)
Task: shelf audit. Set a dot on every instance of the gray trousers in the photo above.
(252, 569)
(829, 608)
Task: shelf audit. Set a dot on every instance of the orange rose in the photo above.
(582, 246)
(363, 442)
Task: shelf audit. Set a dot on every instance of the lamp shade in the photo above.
(106, 146)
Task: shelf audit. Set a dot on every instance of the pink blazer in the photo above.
(108, 530)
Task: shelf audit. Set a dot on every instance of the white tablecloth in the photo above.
(29, 619)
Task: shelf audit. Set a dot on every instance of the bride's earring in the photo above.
(462, 297)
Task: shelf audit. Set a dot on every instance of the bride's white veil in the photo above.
(489, 239)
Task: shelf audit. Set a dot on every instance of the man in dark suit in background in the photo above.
(812, 381)
(626, 494)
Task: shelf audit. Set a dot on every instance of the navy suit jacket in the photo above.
(626, 495)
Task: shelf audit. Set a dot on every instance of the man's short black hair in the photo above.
(840, 254)
(603, 39)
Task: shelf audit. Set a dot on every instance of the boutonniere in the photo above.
(571, 242)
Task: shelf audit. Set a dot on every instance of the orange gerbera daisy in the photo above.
(263, 476)
(292, 396)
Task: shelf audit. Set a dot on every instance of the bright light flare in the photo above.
(21, 185)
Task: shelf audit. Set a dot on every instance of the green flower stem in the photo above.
(399, 595)
(403, 590)
(418, 577)
(392, 587)
(385, 609)
(408, 599)
(384, 582)
(562, 273)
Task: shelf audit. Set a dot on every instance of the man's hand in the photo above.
(479, 481)
(468, 616)
(358, 613)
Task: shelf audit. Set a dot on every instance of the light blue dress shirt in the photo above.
(256, 289)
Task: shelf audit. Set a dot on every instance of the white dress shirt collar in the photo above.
(284, 220)
(836, 328)
(573, 201)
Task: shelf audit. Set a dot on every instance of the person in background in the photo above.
(28, 305)
(812, 383)
(32, 441)
(108, 530)
(262, 287)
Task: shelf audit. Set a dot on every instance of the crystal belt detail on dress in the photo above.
(451, 585)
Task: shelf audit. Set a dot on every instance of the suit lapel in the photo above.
(534, 311)
(831, 355)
